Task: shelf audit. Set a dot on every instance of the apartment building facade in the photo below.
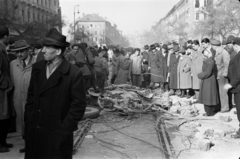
(95, 30)
(23, 12)
(186, 12)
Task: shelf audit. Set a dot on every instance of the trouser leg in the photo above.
(209, 110)
(134, 79)
(237, 102)
(4, 126)
(196, 93)
(223, 94)
(113, 79)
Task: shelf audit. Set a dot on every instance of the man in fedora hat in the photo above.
(6, 91)
(55, 104)
(20, 70)
(172, 71)
(145, 71)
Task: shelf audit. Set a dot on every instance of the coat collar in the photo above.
(40, 74)
(62, 68)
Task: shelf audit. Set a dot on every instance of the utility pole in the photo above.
(74, 23)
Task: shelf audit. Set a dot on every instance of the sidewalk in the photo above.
(185, 139)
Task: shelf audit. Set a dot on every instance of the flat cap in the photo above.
(230, 39)
(216, 42)
(236, 40)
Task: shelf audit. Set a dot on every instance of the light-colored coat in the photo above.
(21, 80)
(184, 74)
(136, 64)
(222, 59)
(196, 68)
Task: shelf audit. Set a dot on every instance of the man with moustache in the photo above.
(56, 102)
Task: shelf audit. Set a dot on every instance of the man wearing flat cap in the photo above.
(234, 80)
(56, 102)
(222, 59)
(20, 70)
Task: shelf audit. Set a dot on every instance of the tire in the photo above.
(91, 113)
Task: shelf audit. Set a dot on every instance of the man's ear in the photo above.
(59, 51)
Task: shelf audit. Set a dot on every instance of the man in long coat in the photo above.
(172, 70)
(55, 104)
(163, 58)
(222, 59)
(234, 80)
(145, 63)
(196, 67)
(154, 66)
(124, 69)
(20, 70)
(184, 74)
(6, 92)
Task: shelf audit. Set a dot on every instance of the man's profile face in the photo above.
(50, 53)
(204, 45)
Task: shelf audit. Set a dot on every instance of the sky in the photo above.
(130, 16)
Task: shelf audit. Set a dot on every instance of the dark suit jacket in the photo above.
(234, 73)
(6, 86)
(53, 109)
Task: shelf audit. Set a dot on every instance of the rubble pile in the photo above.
(131, 99)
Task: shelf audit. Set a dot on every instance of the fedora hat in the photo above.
(55, 38)
(152, 47)
(20, 45)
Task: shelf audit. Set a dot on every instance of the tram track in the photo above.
(163, 138)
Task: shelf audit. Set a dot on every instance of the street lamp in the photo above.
(74, 25)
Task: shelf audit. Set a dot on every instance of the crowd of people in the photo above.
(43, 86)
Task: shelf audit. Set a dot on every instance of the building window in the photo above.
(96, 32)
(197, 16)
(33, 17)
(29, 19)
(95, 38)
(197, 4)
(205, 16)
(91, 25)
(23, 16)
(205, 3)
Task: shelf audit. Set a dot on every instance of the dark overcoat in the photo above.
(53, 109)
(234, 73)
(173, 70)
(6, 86)
(154, 64)
(208, 94)
(124, 68)
(163, 66)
